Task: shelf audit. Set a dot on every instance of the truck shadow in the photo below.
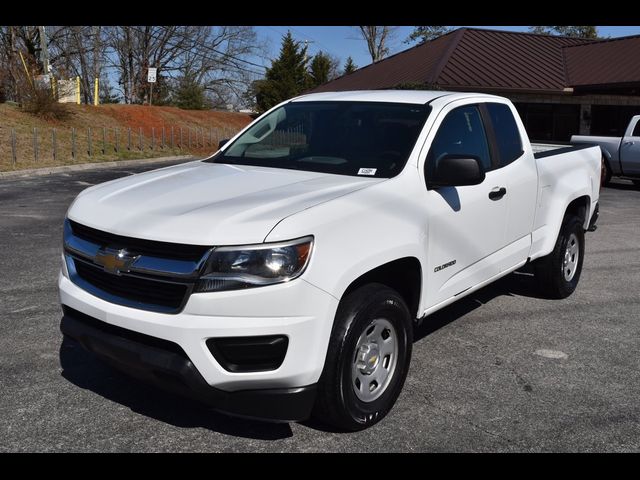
(619, 185)
(86, 371)
(521, 283)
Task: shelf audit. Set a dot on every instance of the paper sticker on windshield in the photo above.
(367, 171)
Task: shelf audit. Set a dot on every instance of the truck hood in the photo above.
(206, 203)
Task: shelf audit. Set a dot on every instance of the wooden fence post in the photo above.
(54, 145)
(14, 152)
(73, 143)
(35, 144)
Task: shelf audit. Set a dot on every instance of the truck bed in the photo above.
(543, 150)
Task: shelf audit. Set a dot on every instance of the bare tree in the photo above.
(78, 51)
(14, 41)
(218, 59)
(214, 57)
(377, 39)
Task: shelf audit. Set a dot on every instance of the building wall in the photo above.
(597, 115)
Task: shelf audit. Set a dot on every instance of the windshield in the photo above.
(346, 138)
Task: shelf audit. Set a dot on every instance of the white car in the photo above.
(283, 276)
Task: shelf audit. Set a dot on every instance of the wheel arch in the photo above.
(580, 208)
(404, 275)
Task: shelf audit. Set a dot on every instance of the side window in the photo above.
(460, 133)
(506, 131)
(636, 130)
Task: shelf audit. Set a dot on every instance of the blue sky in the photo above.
(344, 41)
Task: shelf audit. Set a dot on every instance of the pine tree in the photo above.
(425, 33)
(349, 66)
(584, 31)
(106, 93)
(287, 76)
(320, 71)
(188, 94)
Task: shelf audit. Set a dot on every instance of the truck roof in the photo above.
(391, 96)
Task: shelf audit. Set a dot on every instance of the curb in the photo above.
(91, 166)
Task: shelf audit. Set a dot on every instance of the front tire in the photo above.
(367, 359)
(558, 273)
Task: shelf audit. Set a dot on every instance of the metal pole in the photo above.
(129, 139)
(73, 143)
(104, 140)
(151, 95)
(162, 144)
(89, 141)
(140, 139)
(153, 137)
(35, 144)
(14, 152)
(117, 145)
(54, 144)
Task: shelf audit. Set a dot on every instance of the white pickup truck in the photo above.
(283, 276)
(620, 155)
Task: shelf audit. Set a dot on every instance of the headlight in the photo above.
(233, 268)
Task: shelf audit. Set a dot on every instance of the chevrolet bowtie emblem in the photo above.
(115, 261)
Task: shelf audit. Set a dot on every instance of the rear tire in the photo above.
(558, 273)
(606, 173)
(367, 359)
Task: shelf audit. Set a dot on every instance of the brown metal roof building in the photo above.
(561, 85)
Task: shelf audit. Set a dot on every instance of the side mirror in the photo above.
(457, 171)
(222, 143)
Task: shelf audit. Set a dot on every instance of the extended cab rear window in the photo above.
(507, 135)
(369, 139)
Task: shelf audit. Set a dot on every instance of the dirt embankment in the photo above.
(110, 132)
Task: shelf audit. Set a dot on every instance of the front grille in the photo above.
(139, 292)
(139, 246)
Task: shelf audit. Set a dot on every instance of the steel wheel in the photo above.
(571, 257)
(375, 360)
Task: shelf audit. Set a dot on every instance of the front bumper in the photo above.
(298, 310)
(165, 365)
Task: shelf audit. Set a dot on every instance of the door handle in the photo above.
(629, 143)
(497, 193)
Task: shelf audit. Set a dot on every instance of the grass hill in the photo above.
(110, 132)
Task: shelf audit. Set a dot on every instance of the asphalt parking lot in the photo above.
(501, 370)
